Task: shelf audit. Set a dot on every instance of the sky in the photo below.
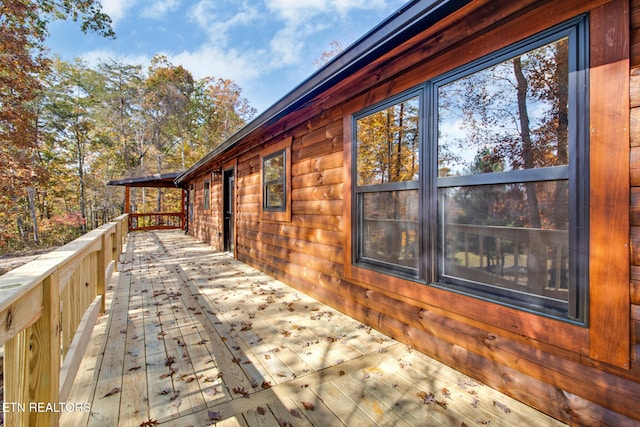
(267, 47)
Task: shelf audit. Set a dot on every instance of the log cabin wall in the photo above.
(584, 375)
(207, 220)
(635, 178)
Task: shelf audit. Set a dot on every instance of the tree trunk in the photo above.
(34, 217)
(536, 259)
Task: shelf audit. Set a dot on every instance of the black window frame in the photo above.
(576, 172)
(206, 194)
(267, 184)
(360, 190)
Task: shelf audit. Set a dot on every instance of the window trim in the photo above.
(281, 214)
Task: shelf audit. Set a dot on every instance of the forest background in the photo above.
(67, 128)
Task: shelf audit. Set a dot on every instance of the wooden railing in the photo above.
(155, 221)
(482, 245)
(48, 308)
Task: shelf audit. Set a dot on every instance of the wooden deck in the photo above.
(194, 337)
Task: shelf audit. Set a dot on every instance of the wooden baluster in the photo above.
(32, 365)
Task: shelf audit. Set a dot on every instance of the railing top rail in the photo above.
(154, 213)
(17, 282)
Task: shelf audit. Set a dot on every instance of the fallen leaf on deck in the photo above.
(266, 384)
(308, 406)
(502, 406)
(285, 332)
(427, 398)
(148, 423)
(442, 403)
(169, 361)
(135, 368)
(295, 413)
(246, 326)
(242, 391)
(165, 391)
(112, 392)
(260, 410)
(283, 423)
(168, 374)
(215, 416)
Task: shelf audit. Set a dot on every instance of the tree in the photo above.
(327, 55)
(23, 60)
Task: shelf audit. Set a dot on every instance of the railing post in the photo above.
(32, 366)
(102, 271)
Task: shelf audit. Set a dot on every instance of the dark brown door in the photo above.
(229, 214)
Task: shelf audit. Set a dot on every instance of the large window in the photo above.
(497, 206)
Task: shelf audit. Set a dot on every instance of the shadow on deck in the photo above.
(194, 337)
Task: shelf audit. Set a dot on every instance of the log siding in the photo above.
(581, 375)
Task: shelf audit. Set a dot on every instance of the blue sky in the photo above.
(266, 46)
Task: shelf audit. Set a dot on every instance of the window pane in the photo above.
(206, 194)
(512, 236)
(390, 227)
(274, 168)
(511, 116)
(387, 144)
(274, 196)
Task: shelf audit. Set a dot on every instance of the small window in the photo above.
(274, 182)
(206, 194)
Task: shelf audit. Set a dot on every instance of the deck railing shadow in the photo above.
(48, 308)
(248, 333)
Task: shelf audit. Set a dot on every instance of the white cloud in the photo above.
(159, 8)
(217, 20)
(117, 9)
(211, 61)
(298, 11)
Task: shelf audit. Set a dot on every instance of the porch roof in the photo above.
(165, 180)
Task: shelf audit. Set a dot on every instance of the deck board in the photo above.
(194, 337)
